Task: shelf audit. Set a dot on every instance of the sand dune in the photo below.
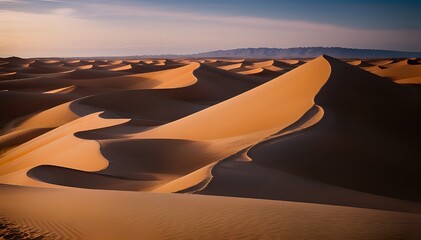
(263, 70)
(247, 113)
(405, 71)
(25, 103)
(400, 71)
(368, 129)
(179, 77)
(342, 135)
(128, 215)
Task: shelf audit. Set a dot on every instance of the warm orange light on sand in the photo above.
(293, 132)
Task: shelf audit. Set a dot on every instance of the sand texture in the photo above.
(210, 148)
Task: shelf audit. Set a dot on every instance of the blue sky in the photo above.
(102, 28)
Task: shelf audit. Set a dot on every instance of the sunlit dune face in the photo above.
(261, 99)
(260, 131)
(210, 119)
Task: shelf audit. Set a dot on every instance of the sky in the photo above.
(59, 28)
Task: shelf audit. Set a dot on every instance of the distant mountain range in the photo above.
(301, 52)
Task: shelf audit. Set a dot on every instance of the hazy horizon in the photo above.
(55, 28)
(193, 53)
(210, 119)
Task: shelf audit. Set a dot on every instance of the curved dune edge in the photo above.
(20, 136)
(411, 80)
(53, 117)
(236, 121)
(61, 90)
(364, 167)
(310, 118)
(230, 66)
(232, 143)
(207, 111)
(249, 71)
(63, 114)
(270, 168)
(47, 120)
(210, 132)
(2, 74)
(171, 78)
(190, 183)
(261, 69)
(400, 71)
(57, 147)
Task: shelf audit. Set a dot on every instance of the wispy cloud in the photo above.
(93, 28)
(10, 1)
(63, 11)
(148, 11)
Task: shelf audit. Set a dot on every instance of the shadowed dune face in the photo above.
(362, 147)
(236, 127)
(402, 71)
(358, 137)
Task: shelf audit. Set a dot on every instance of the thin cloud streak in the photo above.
(102, 29)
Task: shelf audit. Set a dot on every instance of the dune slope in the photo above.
(98, 148)
(127, 215)
(366, 139)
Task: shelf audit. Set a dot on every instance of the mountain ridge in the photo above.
(307, 52)
(269, 53)
(287, 53)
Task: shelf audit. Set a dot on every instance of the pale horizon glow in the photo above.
(110, 29)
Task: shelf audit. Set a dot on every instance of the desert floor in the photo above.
(210, 148)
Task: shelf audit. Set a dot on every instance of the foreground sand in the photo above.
(310, 131)
(94, 214)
